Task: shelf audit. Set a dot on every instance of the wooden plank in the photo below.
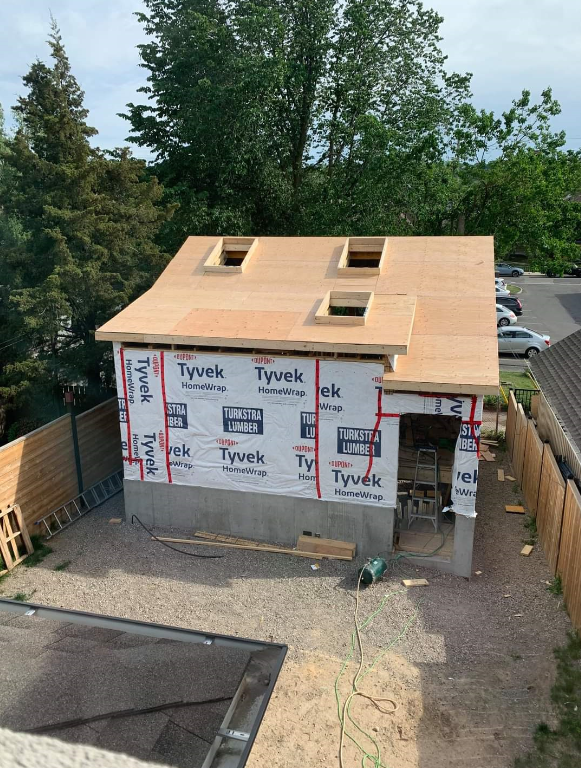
(526, 550)
(550, 504)
(501, 475)
(515, 510)
(569, 562)
(325, 546)
(520, 436)
(415, 582)
(278, 550)
(228, 539)
(510, 424)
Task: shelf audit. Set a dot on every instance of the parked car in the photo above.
(522, 341)
(499, 281)
(504, 316)
(511, 302)
(502, 291)
(572, 270)
(508, 269)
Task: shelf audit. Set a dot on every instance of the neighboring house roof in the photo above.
(558, 373)
(272, 303)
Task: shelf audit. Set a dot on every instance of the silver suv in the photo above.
(522, 341)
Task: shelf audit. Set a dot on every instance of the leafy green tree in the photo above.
(293, 117)
(88, 220)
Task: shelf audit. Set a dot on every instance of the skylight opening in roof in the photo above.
(231, 255)
(362, 257)
(345, 308)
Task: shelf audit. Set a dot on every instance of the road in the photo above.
(550, 305)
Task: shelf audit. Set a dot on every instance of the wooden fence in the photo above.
(38, 471)
(554, 502)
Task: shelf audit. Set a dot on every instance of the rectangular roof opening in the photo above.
(344, 308)
(363, 256)
(231, 255)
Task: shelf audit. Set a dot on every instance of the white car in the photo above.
(500, 282)
(522, 341)
(501, 291)
(504, 316)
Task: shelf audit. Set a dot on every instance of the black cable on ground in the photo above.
(169, 546)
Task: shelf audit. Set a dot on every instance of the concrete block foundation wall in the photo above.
(261, 516)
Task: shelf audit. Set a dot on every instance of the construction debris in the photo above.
(115, 521)
(255, 548)
(13, 534)
(509, 477)
(415, 582)
(515, 510)
(526, 550)
(501, 475)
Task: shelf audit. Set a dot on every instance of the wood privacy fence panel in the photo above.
(520, 439)
(569, 568)
(535, 405)
(533, 460)
(99, 442)
(38, 470)
(550, 502)
(510, 424)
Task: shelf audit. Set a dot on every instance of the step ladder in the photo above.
(73, 510)
(426, 506)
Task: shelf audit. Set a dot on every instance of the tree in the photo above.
(88, 219)
(293, 117)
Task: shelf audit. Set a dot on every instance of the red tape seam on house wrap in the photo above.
(380, 416)
(317, 429)
(167, 463)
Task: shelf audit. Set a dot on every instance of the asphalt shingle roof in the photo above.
(558, 372)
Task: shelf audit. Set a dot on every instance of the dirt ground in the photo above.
(471, 677)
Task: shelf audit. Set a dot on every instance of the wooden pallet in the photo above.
(13, 537)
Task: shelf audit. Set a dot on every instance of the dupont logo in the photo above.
(308, 425)
(341, 464)
(263, 360)
(177, 415)
(161, 440)
(303, 448)
(378, 379)
(356, 442)
(249, 421)
(122, 410)
(155, 365)
(184, 356)
(226, 441)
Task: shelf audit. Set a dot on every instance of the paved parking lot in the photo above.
(550, 305)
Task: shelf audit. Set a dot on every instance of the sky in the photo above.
(508, 45)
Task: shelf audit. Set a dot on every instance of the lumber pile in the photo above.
(326, 546)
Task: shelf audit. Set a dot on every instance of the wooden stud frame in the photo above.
(13, 529)
(362, 245)
(214, 262)
(344, 299)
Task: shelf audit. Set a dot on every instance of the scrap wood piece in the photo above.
(264, 548)
(526, 550)
(228, 539)
(509, 477)
(515, 509)
(325, 546)
(13, 537)
(489, 442)
(115, 521)
(501, 475)
(415, 582)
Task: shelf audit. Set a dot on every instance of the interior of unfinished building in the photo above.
(273, 387)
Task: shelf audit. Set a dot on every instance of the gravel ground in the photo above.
(482, 648)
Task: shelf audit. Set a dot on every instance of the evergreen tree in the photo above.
(89, 219)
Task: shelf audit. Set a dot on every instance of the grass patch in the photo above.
(531, 527)
(517, 380)
(556, 586)
(513, 289)
(41, 550)
(22, 597)
(62, 566)
(561, 747)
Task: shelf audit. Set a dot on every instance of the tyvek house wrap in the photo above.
(300, 427)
